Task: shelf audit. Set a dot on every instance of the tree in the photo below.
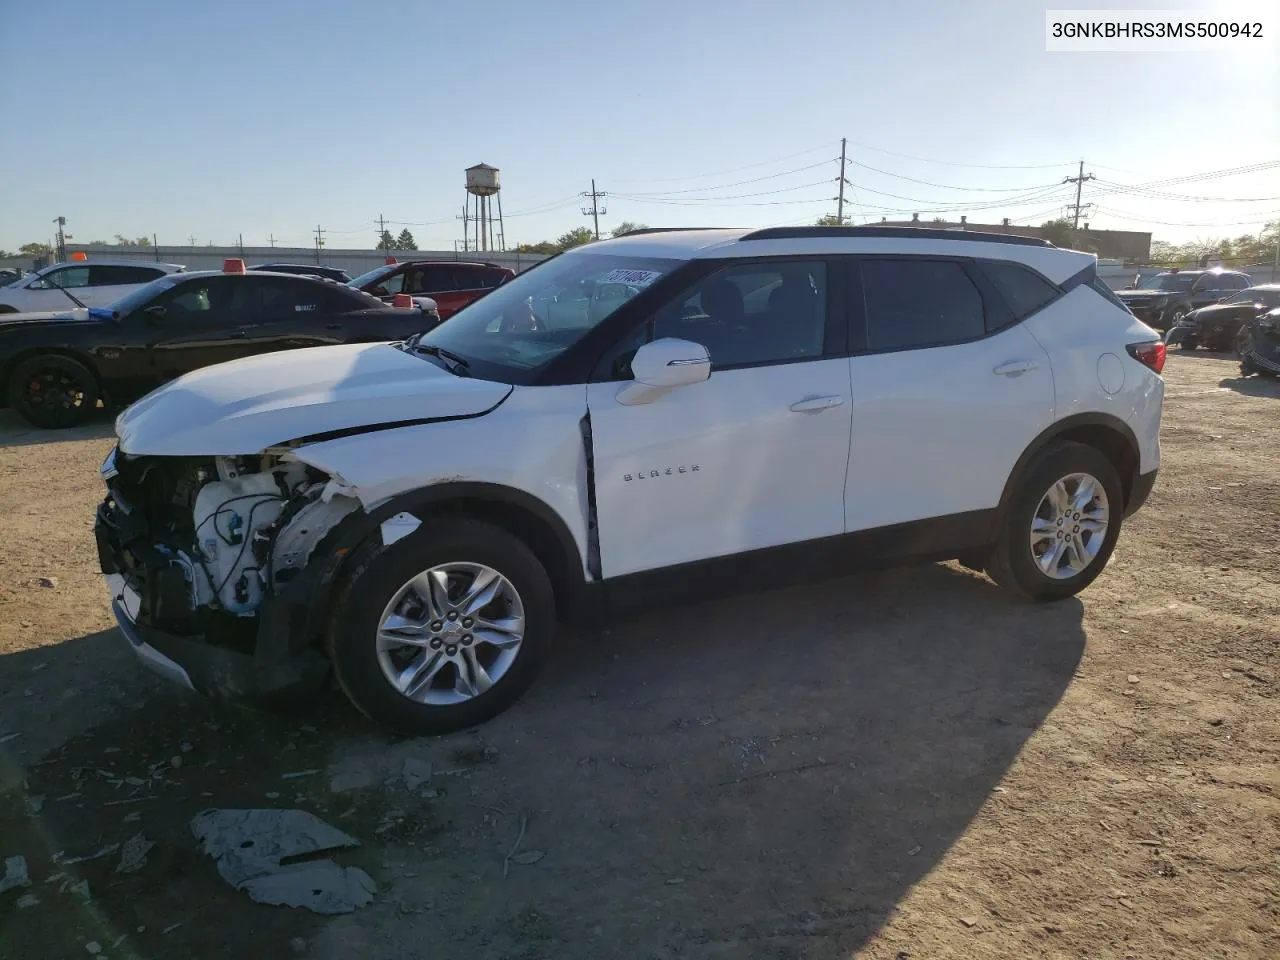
(544, 246)
(36, 250)
(829, 220)
(405, 241)
(628, 226)
(135, 242)
(387, 242)
(1061, 233)
(574, 238)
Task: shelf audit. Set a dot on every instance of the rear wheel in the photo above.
(53, 391)
(1189, 343)
(443, 629)
(1060, 526)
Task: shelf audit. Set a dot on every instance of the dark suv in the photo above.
(1169, 297)
(452, 284)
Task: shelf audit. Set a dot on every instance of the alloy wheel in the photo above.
(1069, 526)
(450, 633)
(53, 390)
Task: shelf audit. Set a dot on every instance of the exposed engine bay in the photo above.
(195, 536)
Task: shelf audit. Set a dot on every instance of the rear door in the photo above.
(441, 282)
(948, 388)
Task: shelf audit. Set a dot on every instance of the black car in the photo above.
(54, 367)
(1258, 344)
(306, 270)
(1169, 297)
(1216, 326)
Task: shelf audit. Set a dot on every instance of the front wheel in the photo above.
(1060, 525)
(1189, 343)
(53, 391)
(443, 629)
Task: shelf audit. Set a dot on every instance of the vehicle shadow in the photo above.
(1258, 386)
(16, 432)
(761, 775)
(766, 775)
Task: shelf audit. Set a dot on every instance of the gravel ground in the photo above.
(901, 765)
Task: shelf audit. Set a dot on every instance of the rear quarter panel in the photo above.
(1085, 337)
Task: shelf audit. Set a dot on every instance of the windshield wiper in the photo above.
(73, 299)
(459, 363)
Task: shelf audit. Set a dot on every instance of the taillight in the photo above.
(1149, 353)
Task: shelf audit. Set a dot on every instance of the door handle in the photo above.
(238, 335)
(333, 326)
(814, 404)
(1014, 368)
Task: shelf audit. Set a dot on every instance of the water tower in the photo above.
(484, 184)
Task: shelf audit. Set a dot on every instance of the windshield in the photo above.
(529, 321)
(1271, 298)
(367, 278)
(1172, 281)
(143, 295)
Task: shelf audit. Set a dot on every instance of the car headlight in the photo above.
(108, 468)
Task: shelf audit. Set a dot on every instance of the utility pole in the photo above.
(61, 247)
(191, 239)
(1077, 208)
(155, 245)
(843, 181)
(382, 231)
(595, 209)
(271, 239)
(240, 244)
(319, 241)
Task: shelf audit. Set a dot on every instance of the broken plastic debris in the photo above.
(133, 855)
(250, 845)
(15, 874)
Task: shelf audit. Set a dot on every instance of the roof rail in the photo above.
(897, 233)
(639, 231)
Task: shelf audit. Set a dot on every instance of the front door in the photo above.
(753, 457)
(943, 405)
(203, 322)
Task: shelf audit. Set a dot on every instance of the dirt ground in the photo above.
(902, 765)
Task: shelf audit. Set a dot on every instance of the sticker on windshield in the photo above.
(636, 278)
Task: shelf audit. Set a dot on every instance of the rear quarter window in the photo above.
(1108, 294)
(1024, 290)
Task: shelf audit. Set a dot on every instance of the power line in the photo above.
(738, 183)
(946, 186)
(721, 173)
(952, 163)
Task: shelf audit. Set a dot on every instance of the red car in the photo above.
(452, 284)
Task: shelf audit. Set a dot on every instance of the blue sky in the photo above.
(216, 119)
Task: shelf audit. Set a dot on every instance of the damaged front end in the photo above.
(214, 565)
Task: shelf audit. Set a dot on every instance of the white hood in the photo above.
(245, 406)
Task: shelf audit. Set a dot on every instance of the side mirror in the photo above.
(154, 313)
(663, 365)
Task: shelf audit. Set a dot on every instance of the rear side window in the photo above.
(102, 276)
(1024, 290)
(493, 278)
(1108, 294)
(919, 303)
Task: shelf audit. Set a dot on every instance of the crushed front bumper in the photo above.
(147, 592)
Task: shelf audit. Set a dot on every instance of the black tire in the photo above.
(1011, 563)
(378, 574)
(53, 392)
(1189, 343)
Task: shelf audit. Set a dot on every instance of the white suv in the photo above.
(95, 283)
(656, 415)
